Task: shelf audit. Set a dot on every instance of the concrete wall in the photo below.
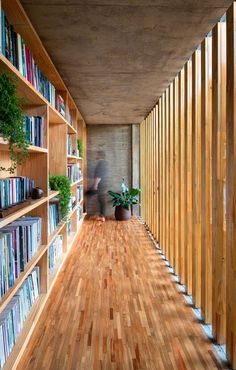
(116, 142)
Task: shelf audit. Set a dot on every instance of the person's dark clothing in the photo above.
(101, 172)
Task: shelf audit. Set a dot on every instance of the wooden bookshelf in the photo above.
(51, 159)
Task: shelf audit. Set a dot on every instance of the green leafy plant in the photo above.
(126, 198)
(80, 147)
(12, 122)
(61, 184)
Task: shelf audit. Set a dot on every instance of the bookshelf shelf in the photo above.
(59, 228)
(76, 182)
(72, 157)
(71, 238)
(52, 159)
(54, 273)
(73, 210)
(29, 267)
(25, 334)
(31, 149)
(12, 217)
(25, 89)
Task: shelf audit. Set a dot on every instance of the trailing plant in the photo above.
(12, 122)
(126, 198)
(62, 184)
(80, 147)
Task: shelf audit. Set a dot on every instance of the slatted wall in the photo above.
(188, 178)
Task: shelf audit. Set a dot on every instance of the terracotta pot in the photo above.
(122, 214)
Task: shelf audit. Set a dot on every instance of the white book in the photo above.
(19, 48)
(2, 352)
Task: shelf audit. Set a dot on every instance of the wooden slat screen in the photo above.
(188, 178)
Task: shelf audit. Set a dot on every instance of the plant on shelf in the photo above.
(62, 184)
(12, 123)
(123, 200)
(80, 147)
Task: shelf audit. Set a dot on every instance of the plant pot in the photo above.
(122, 214)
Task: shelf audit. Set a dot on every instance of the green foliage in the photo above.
(62, 184)
(12, 122)
(126, 198)
(80, 147)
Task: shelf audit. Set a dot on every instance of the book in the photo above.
(19, 241)
(13, 47)
(14, 190)
(73, 172)
(55, 251)
(69, 145)
(16, 312)
(80, 192)
(54, 215)
(34, 129)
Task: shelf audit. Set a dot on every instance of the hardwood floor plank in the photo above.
(115, 306)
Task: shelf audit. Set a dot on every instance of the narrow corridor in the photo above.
(116, 306)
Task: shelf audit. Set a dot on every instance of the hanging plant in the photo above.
(12, 122)
(62, 184)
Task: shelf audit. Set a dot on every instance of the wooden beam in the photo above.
(183, 177)
(176, 175)
(171, 178)
(206, 176)
(218, 181)
(196, 118)
(189, 173)
(231, 187)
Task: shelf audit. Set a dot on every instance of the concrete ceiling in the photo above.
(118, 56)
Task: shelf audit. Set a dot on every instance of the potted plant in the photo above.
(12, 123)
(80, 148)
(62, 184)
(123, 200)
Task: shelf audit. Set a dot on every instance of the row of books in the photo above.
(69, 145)
(80, 192)
(55, 251)
(34, 128)
(19, 241)
(14, 190)
(16, 312)
(60, 105)
(74, 172)
(72, 203)
(54, 215)
(79, 213)
(13, 47)
(68, 226)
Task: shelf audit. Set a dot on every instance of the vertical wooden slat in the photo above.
(167, 172)
(196, 116)
(157, 174)
(183, 177)
(177, 175)
(153, 165)
(189, 148)
(148, 172)
(231, 187)
(171, 178)
(206, 176)
(218, 145)
(160, 172)
(163, 174)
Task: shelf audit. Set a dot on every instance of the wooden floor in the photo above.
(115, 306)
